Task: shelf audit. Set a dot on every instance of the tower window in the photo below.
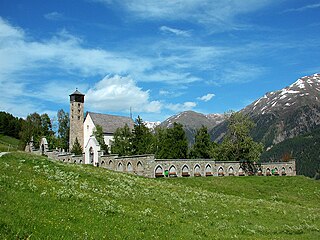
(78, 104)
(78, 117)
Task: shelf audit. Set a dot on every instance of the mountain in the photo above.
(152, 125)
(192, 121)
(283, 114)
(304, 149)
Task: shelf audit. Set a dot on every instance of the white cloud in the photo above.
(117, 93)
(207, 97)
(175, 31)
(207, 12)
(54, 16)
(179, 107)
(304, 8)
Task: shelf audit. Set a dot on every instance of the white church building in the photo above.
(82, 127)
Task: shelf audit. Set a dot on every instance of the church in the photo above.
(83, 126)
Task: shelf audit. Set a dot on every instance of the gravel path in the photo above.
(2, 153)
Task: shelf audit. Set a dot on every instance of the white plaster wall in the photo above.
(88, 127)
(92, 143)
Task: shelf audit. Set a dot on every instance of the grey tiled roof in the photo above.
(110, 123)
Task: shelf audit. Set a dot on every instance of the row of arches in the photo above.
(197, 172)
(208, 171)
(122, 166)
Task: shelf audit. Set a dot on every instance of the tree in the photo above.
(203, 147)
(98, 133)
(31, 128)
(238, 144)
(63, 129)
(76, 148)
(142, 139)
(122, 141)
(172, 143)
(46, 130)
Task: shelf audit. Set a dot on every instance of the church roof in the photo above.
(76, 92)
(110, 123)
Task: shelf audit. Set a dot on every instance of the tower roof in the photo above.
(76, 92)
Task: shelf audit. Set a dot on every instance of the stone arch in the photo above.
(185, 171)
(241, 172)
(260, 172)
(290, 170)
(231, 171)
(42, 149)
(197, 170)
(139, 167)
(276, 171)
(91, 155)
(283, 171)
(102, 163)
(172, 171)
(220, 172)
(120, 167)
(129, 167)
(158, 172)
(208, 170)
(268, 172)
(75, 161)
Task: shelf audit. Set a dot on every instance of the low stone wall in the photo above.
(148, 166)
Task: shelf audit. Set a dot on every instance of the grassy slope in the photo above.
(8, 143)
(50, 200)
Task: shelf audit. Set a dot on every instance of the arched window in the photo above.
(197, 171)
(129, 167)
(241, 172)
(220, 172)
(268, 173)
(91, 155)
(283, 171)
(139, 167)
(120, 167)
(172, 171)
(260, 172)
(290, 169)
(185, 171)
(208, 170)
(159, 171)
(231, 171)
(276, 172)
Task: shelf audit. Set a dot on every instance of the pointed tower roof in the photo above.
(76, 92)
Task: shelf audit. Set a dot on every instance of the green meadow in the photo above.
(44, 199)
(8, 144)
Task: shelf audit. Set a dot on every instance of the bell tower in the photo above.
(76, 118)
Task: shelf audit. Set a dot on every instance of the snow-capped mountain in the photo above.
(283, 114)
(305, 91)
(152, 125)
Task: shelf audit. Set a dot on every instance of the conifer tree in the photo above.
(76, 148)
(203, 146)
(98, 133)
(122, 141)
(142, 139)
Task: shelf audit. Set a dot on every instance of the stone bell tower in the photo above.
(76, 118)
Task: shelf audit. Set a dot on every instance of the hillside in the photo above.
(283, 114)
(8, 144)
(42, 199)
(305, 149)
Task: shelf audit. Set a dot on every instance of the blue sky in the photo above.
(157, 57)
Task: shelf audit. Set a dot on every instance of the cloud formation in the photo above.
(117, 93)
(54, 16)
(175, 31)
(304, 8)
(207, 97)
